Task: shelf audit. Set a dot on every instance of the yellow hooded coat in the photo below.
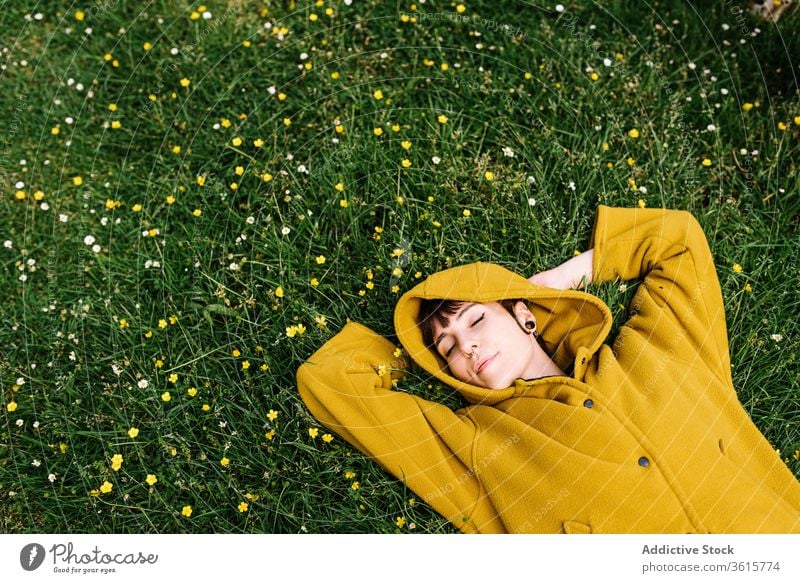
(646, 436)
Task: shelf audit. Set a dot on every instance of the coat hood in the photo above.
(568, 320)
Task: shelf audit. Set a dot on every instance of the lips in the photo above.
(484, 362)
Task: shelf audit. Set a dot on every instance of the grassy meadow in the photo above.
(195, 198)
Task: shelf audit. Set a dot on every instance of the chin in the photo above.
(498, 384)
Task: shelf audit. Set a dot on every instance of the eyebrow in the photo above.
(458, 316)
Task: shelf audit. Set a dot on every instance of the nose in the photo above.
(469, 347)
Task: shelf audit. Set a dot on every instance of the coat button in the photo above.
(588, 403)
(644, 462)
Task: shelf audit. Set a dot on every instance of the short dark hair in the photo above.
(442, 310)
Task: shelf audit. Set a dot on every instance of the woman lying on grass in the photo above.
(565, 433)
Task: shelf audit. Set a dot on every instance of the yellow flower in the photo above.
(400, 522)
(191, 391)
(170, 199)
(173, 378)
(406, 163)
(197, 212)
(442, 119)
(378, 131)
(272, 415)
(137, 208)
(112, 107)
(343, 203)
(349, 475)
(270, 434)
(737, 268)
(313, 432)
(335, 75)
(77, 180)
(206, 407)
(133, 432)
(281, 96)
(11, 407)
(201, 180)
(243, 506)
(147, 46)
(327, 438)
(406, 144)
(116, 124)
(258, 142)
(166, 397)
(706, 162)
(162, 323)
(633, 133)
(781, 126)
(106, 487)
(151, 479)
(245, 365)
(237, 141)
(279, 292)
(355, 485)
(748, 288)
(287, 121)
(266, 177)
(116, 462)
(225, 462)
(747, 106)
(321, 260)
(186, 511)
(642, 203)
(488, 175)
(466, 212)
(123, 324)
(460, 8)
(185, 82)
(239, 170)
(378, 94)
(339, 186)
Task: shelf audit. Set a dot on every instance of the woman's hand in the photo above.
(572, 274)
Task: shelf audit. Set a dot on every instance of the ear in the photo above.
(522, 314)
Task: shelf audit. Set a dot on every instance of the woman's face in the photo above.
(484, 345)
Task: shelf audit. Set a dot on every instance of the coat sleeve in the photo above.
(668, 250)
(348, 386)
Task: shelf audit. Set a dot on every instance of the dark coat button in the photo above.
(644, 462)
(588, 403)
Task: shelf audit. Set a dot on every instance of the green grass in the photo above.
(61, 332)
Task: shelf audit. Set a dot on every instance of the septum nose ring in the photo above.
(472, 353)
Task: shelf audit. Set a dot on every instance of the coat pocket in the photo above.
(574, 527)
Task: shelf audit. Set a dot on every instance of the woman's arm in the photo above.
(348, 386)
(574, 273)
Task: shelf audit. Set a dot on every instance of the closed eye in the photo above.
(478, 320)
